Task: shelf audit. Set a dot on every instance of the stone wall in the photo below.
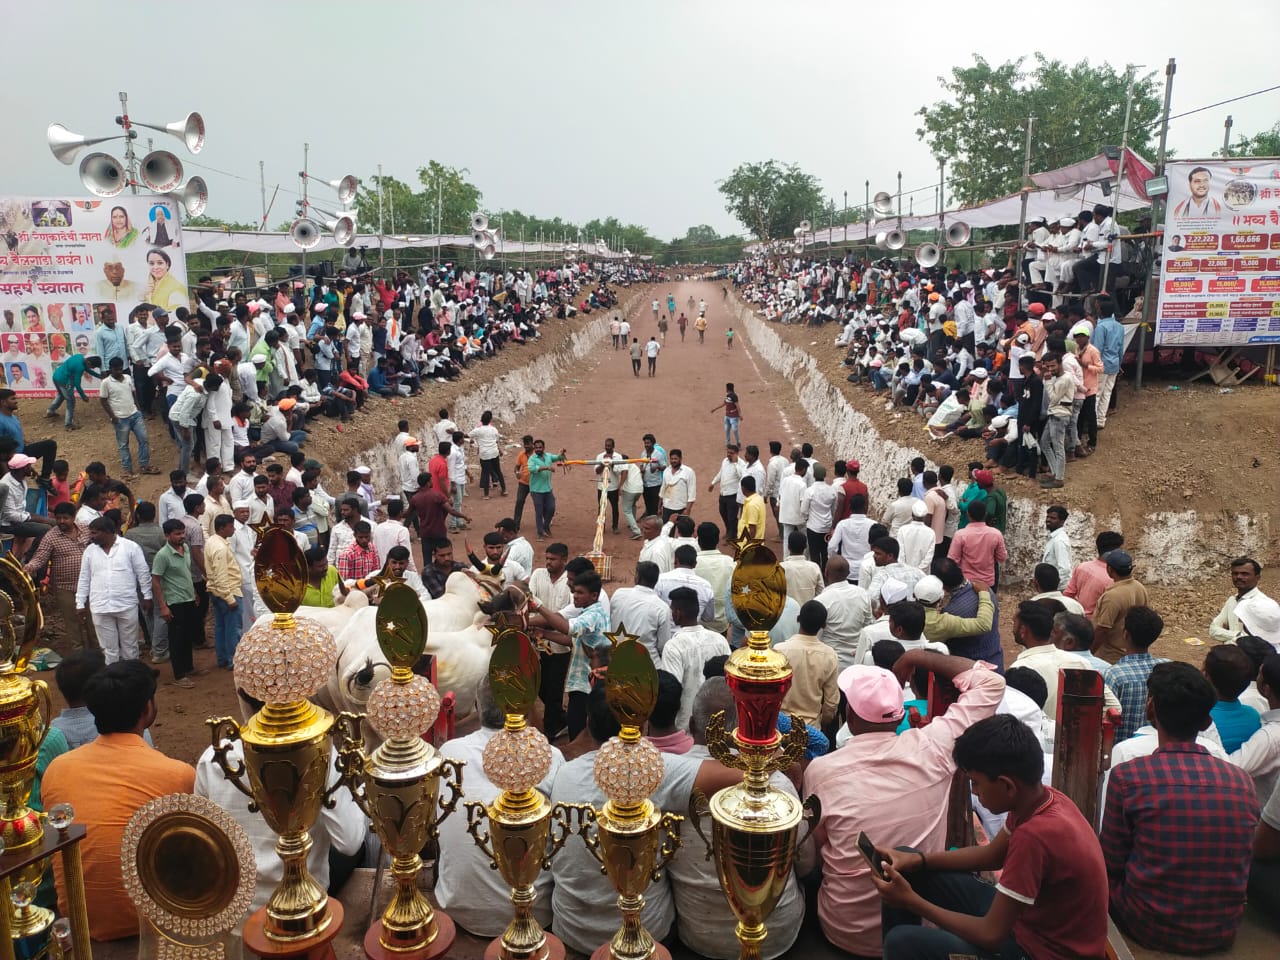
(1170, 548)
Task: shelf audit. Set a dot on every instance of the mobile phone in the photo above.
(868, 851)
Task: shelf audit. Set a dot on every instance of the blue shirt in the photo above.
(653, 478)
(11, 426)
(377, 380)
(1236, 723)
(1127, 678)
(587, 632)
(111, 343)
(1109, 339)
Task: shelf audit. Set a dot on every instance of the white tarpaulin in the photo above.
(199, 240)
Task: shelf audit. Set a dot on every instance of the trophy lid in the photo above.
(515, 672)
(20, 616)
(280, 571)
(631, 685)
(518, 756)
(401, 625)
(759, 587)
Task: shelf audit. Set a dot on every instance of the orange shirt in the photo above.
(522, 468)
(106, 781)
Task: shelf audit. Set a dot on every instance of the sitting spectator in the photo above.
(1033, 629)
(1178, 827)
(915, 769)
(814, 695)
(662, 731)
(1264, 874)
(1231, 671)
(1259, 756)
(107, 781)
(1045, 580)
(689, 647)
(1074, 633)
(1127, 678)
(1051, 899)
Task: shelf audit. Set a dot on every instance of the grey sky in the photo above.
(535, 98)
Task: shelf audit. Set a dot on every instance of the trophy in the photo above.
(754, 824)
(629, 831)
(517, 760)
(398, 784)
(286, 750)
(25, 711)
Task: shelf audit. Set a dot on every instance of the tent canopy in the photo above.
(200, 240)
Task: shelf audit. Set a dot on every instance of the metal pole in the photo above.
(1226, 137)
(130, 158)
(942, 194)
(381, 254)
(899, 199)
(1157, 223)
(866, 213)
(1022, 216)
(262, 189)
(306, 210)
(438, 201)
(846, 218)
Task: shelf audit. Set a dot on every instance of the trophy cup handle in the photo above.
(46, 703)
(350, 740)
(698, 805)
(562, 816)
(224, 732)
(454, 783)
(720, 743)
(670, 824)
(812, 808)
(792, 747)
(587, 821)
(476, 815)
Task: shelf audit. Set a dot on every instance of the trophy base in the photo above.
(553, 949)
(659, 952)
(318, 947)
(446, 933)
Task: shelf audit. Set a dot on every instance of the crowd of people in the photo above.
(1033, 382)
(883, 604)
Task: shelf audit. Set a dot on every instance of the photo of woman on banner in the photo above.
(31, 318)
(163, 289)
(121, 232)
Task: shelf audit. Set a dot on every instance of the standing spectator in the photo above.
(457, 476)
(544, 500)
(489, 451)
(608, 468)
(653, 471)
(1057, 549)
(917, 539)
(1089, 580)
(645, 614)
(804, 577)
(1127, 677)
(729, 480)
(978, 548)
(584, 634)
(1108, 337)
(814, 695)
(175, 594)
(1109, 614)
(690, 646)
(1178, 827)
(225, 585)
(67, 382)
(679, 486)
(112, 574)
(146, 533)
(522, 475)
(1061, 390)
(358, 559)
(819, 504)
(61, 550)
(117, 397)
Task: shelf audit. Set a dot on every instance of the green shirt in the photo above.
(321, 596)
(540, 479)
(174, 571)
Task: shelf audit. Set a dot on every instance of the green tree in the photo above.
(771, 198)
(701, 244)
(1264, 144)
(980, 130)
(459, 198)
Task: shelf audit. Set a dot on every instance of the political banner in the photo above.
(71, 267)
(1220, 285)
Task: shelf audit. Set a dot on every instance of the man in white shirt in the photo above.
(113, 572)
(457, 461)
(851, 537)
(651, 355)
(729, 479)
(682, 575)
(689, 648)
(848, 611)
(392, 533)
(444, 428)
(773, 478)
(341, 828)
(467, 887)
(916, 539)
(644, 614)
(1033, 629)
(717, 569)
(1245, 572)
(656, 547)
(819, 507)
(804, 577)
(408, 466)
(899, 511)
(486, 440)
(608, 467)
(679, 486)
(752, 467)
(791, 490)
(1057, 549)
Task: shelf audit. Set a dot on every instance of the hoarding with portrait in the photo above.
(1220, 285)
(69, 265)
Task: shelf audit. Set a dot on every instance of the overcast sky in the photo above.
(578, 109)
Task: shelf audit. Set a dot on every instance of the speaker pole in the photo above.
(306, 211)
(130, 158)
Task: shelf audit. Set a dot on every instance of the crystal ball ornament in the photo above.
(517, 760)
(60, 816)
(280, 665)
(628, 772)
(403, 711)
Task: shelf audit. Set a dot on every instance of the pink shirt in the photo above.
(1091, 364)
(936, 501)
(1088, 582)
(978, 548)
(895, 788)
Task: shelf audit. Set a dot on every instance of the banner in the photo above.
(1221, 280)
(69, 265)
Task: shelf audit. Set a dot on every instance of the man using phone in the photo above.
(892, 787)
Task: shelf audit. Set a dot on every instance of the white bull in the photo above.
(456, 637)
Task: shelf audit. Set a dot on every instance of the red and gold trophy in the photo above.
(754, 824)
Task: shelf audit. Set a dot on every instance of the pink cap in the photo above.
(20, 460)
(873, 693)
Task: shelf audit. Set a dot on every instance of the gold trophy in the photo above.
(517, 760)
(629, 831)
(25, 711)
(754, 824)
(286, 750)
(398, 785)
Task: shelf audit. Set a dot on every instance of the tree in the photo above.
(459, 198)
(1264, 144)
(981, 129)
(771, 198)
(701, 244)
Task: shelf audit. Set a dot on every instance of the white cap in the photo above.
(290, 308)
(929, 589)
(919, 510)
(894, 591)
(979, 373)
(242, 505)
(363, 471)
(999, 422)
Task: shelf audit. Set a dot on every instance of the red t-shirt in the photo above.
(851, 486)
(432, 507)
(1054, 868)
(438, 467)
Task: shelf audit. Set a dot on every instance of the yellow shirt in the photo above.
(752, 515)
(106, 781)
